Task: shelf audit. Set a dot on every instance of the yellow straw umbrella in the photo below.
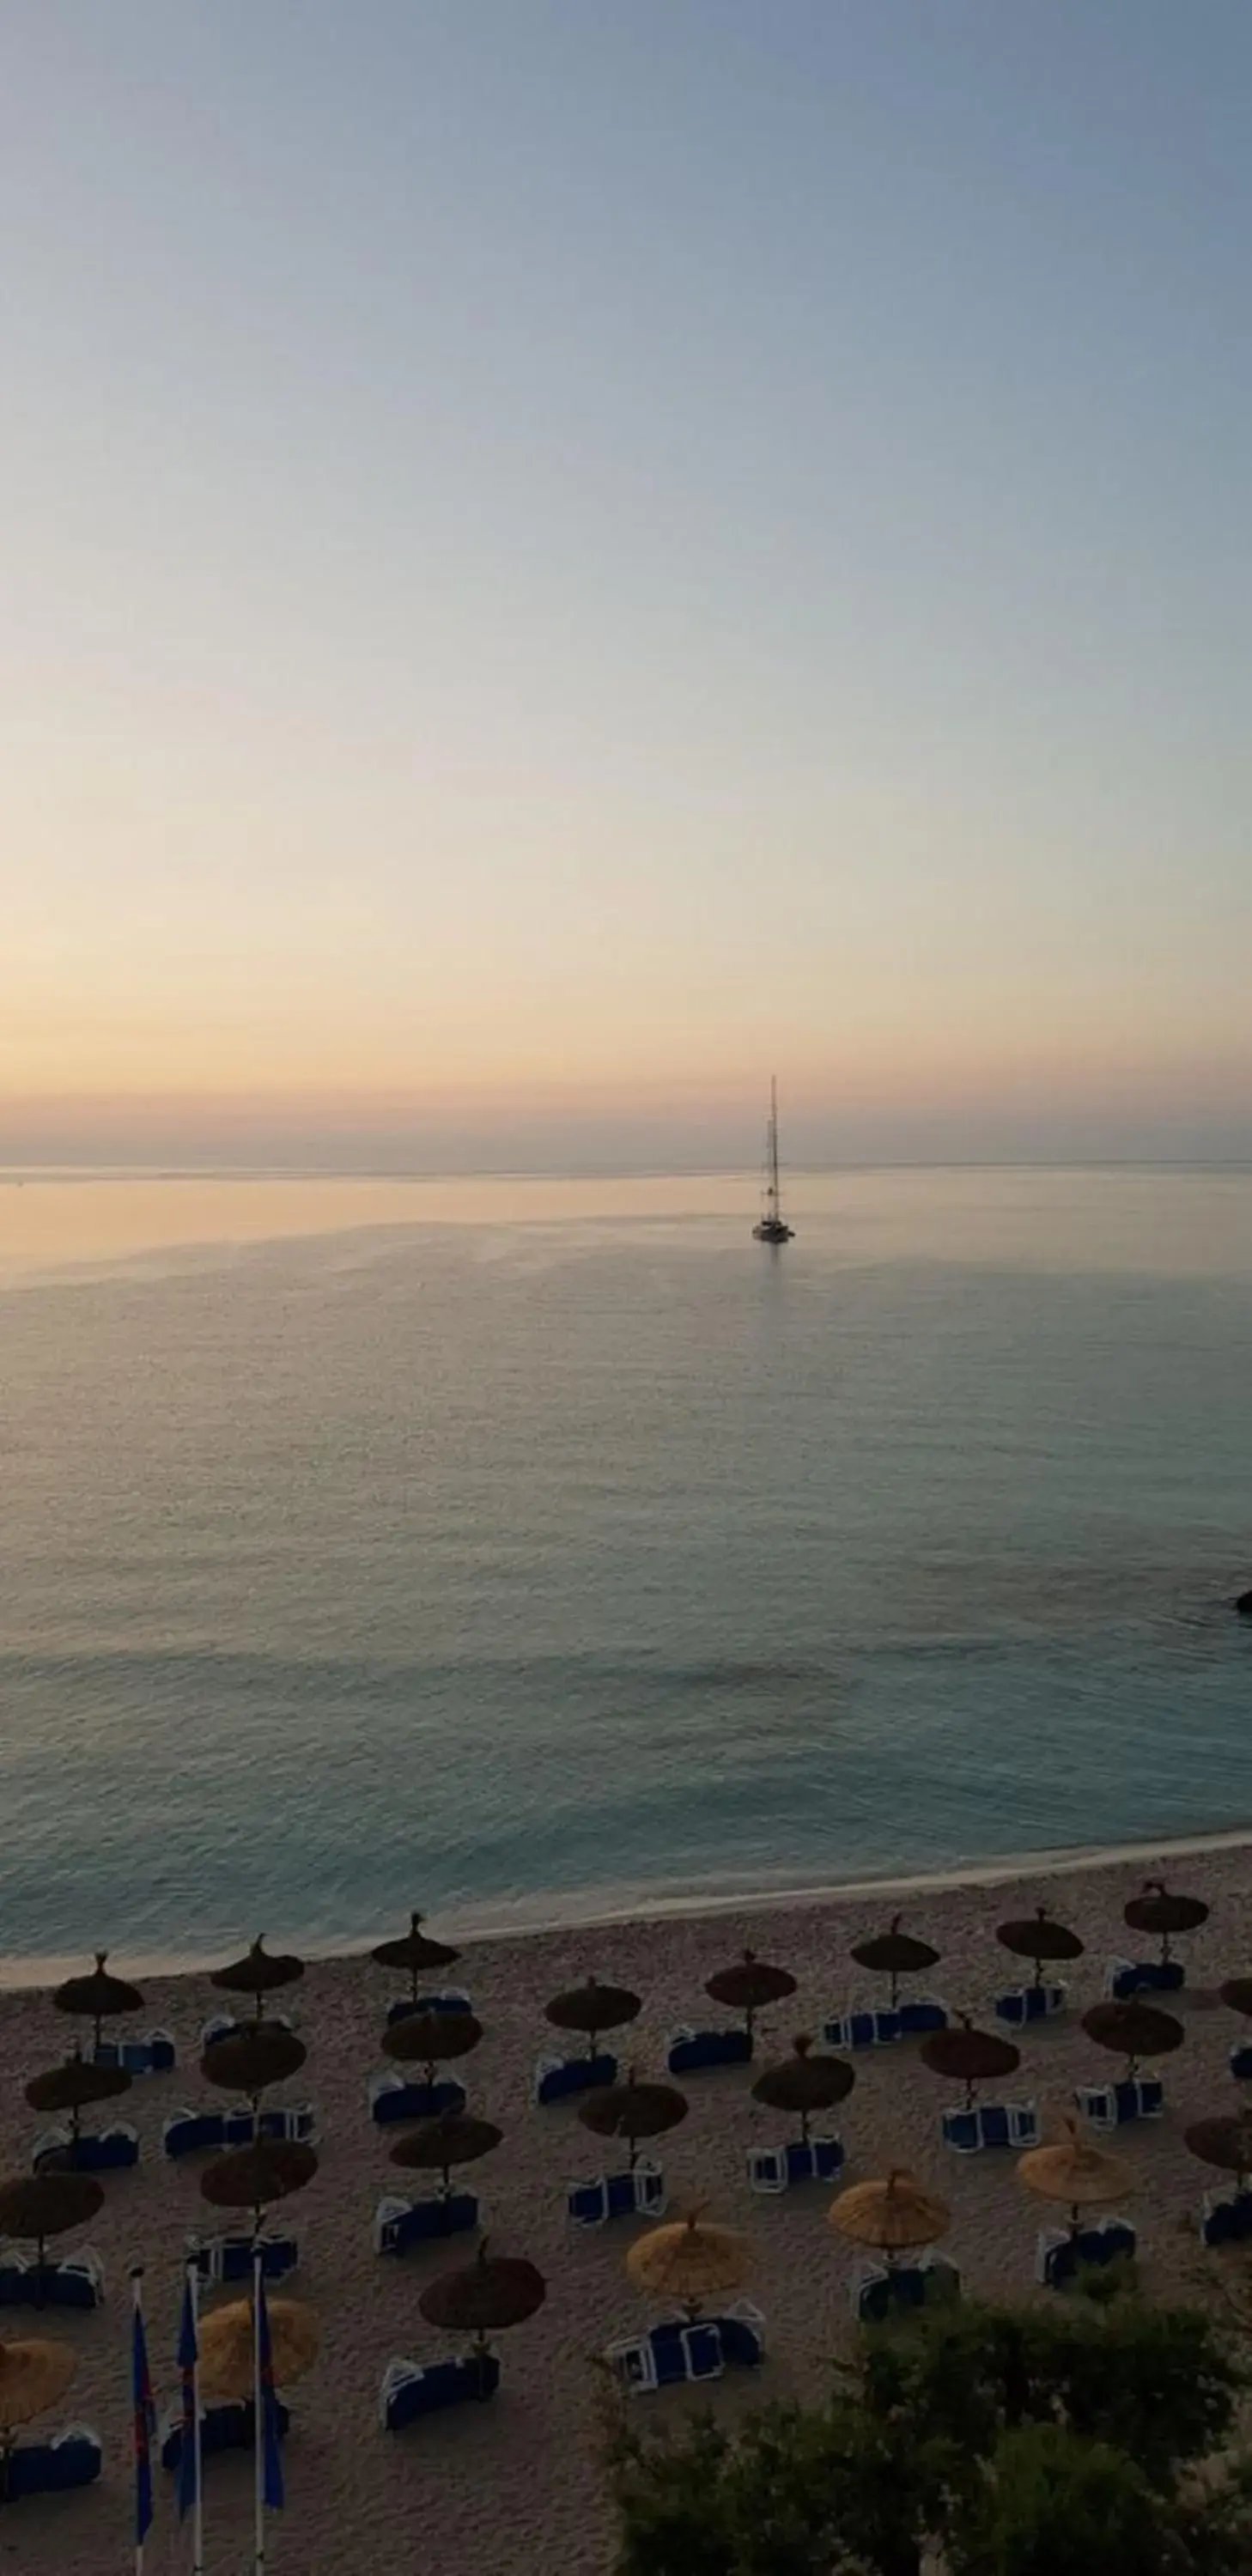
(690, 2260)
(894, 2215)
(1075, 2172)
(228, 2345)
(33, 2376)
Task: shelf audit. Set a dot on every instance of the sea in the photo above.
(519, 1549)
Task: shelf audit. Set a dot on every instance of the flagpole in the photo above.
(197, 2527)
(136, 2300)
(141, 2417)
(258, 2428)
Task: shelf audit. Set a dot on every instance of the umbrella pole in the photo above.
(258, 2437)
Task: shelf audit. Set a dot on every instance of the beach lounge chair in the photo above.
(991, 2124)
(561, 2079)
(742, 2332)
(229, 2258)
(1111, 2106)
(1227, 2217)
(229, 2026)
(230, 2426)
(879, 2291)
(154, 2055)
(864, 2026)
(667, 2357)
(95, 2151)
(193, 2133)
(1127, 1977)
(391, 2098)
(450, 1999)
(412, 2389)
(1241, 2061)
(640, 2194)
(78, 2282)
(922, 2014)
(1058, 2254)
(691, 2051)
(775, 2169)
(73, 2458)
(399, 2225)
(1031, 2003)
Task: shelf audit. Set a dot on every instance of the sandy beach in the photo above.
(515, 2488)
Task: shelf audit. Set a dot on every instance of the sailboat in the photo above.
(773, 1227)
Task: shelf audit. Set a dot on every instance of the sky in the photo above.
(560, 559)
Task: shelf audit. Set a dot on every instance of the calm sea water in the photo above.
(370, 1544)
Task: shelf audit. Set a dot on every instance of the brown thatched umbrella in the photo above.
(484, 2297)
(98, 1996)
(1225, 2142)
(456, 2138)
(259, 1973)
(34, 2207)
(1075, 2172)
(1237, 1994)
(803, 2084)
(1133, 2030)
(251, 2177)
(593, 2009)
(415, 1953)
(970, 2057)
(429, 2039)
(228, 2346)
(749, 1986)
(690, 2259)
(633, 2111)
(895, 1954)
(265, 2053)
(75, 2084)
(1164, 1915)
(893, 2215)
(1038, 1937)
(33, 2377)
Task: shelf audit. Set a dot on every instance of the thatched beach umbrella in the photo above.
(429, 2039)
(252, 2177)
(265, 2053)
(749, 1986)
(1164, 1915)
(456, 2138)
(691, 2260)
(33, 2377)
(894, 2215)
(895, 1954)
(804, 2084)
(633, 2111)
(970, 2057)
(415, 1953)
(592, 2009)
(1040, 1938)
(1225, 2142)
(1133, 2030)
(228, 2346)
(98, 1997)
(73, 2086)
(34, 2207)
(484, 2297)
(259, 1973)
(1076, 2173)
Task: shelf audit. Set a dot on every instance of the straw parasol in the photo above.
(749, 1986)
(426, 2039)
(259, 1973)
(454, 2139)
(1039, 1937)
(892, 2215)
(1237, 1994)
(228, 2345)
(1076, 2172)
(1133, 2030)
(98, 1996)
(969, 2057)
(1225, 2142)
(33, 2377)
(250, 2177)
(415, 1952)
(633, 2111)
(484, 2297)
(593, 2009)
(34, 2207)
(895, 1954)
(72, 2086)
(690, 2260)
(1163, 1914)
(803, 2083)
(265, 2053)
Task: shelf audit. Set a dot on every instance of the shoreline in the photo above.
(546, 1915)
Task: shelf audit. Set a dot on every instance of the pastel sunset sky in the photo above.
(562, 557)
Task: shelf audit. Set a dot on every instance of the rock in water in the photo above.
(1244, 1605)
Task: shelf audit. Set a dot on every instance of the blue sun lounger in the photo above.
(678, 2353)
(228, 2427)
(640, 2194)
(450, 1999)
(154, 2055)
(229, 2026)
(1111, 2106)
(880, 2291)
(1241, 2061)
(93, 2151)
(72, 2459)
(562, 2079)
(229, 2258)
(776, 2169)
(864, 2026)
(691, 2051)
(1127, 1977)
(1024, 2004)
(77, 2282)
(392, 2098)
(412, 2389)
(991, 2124)
(192, 2133)
(399, 2225)
(1058, 2255)
(1227, 2218)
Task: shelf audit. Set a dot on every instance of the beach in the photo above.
(516, 2488)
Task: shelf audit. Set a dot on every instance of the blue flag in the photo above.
(188, 2363)
(274, 2496)
(144, 2423)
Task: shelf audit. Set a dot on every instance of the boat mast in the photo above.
(772, 1192)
